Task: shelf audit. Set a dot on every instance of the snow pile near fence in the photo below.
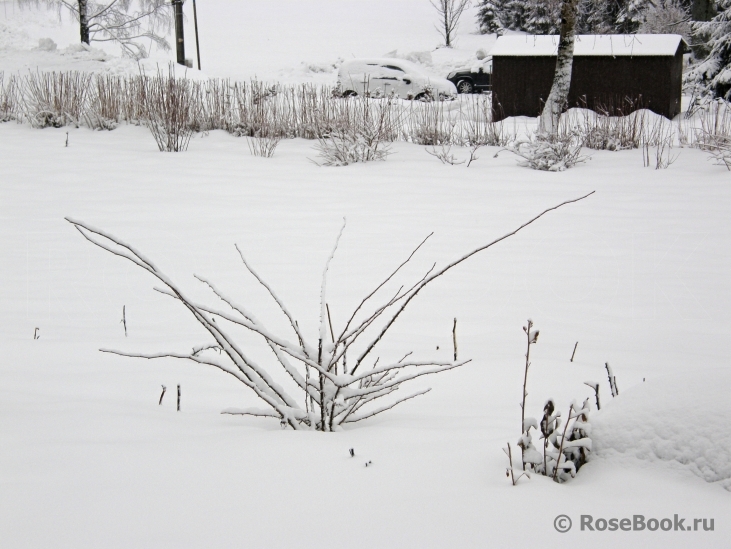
(679, 419)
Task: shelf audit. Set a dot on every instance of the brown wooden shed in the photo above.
(612, 73)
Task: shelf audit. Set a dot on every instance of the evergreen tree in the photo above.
(514, 13)
(631, 16)
(596, 16)
(713, 74)
(488, 16)
(543, 17)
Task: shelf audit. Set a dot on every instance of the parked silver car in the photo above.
(378, 77)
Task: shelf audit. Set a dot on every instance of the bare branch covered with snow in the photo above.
(336, 394)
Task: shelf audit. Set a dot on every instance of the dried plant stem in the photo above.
(595, 387)
(454, 338)
(563, 438)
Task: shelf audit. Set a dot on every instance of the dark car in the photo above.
(475, 79)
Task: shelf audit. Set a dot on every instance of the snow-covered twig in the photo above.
(612, 380)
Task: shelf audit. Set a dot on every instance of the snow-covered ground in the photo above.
(638, 274)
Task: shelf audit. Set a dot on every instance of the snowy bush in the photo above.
(564, 450)
(347, 130)
(8, 98)
(263, 146)
(354, 129)
(554, 152)
(105, 103)
(478, 127)
(364, 135)
(600, 131)
(714, 134)
(337, 379)
(54, 99)
(430, 123)
(444, 154)
(259, 113)
(168, 106)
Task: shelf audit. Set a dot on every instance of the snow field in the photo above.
(637, 273)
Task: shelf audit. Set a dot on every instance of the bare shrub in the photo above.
(364, 134)
(263, 146)
(662, 158)
(133, 102)
(661, 136)
(259, 112)
(684, 131)
(553, 152)
(104, 110)
(8, 98)
(167, 109)
(54, 99)
(430, 123)
(216, 99)
(478, 127)
(337, 380)
(603, 131)
(714, 134)
(444, 154)
(659, 132)
(315, 111)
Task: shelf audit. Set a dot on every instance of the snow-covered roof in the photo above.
(590, 44)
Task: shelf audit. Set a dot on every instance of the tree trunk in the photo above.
(702, 10)
(84, 22)
(548, 123)
(179, 37)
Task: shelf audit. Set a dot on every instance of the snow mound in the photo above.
(46, 44)
(12, 38)
(321, 68)
(85, 52)
(679, 419)
(419, 57)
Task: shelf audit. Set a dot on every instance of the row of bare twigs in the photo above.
(175, 108)
(181, 107)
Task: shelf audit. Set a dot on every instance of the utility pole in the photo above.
(197, 44)
(179, 38)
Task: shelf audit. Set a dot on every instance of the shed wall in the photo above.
(617, 85)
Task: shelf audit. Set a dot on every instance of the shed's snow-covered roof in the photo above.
(589, 44)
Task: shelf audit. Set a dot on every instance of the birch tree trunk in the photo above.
(84, 22)
(548, 123)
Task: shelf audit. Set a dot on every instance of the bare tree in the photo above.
(667, 17)
(345, 380)
(449, 13)
(126, 22)
(559, 94)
